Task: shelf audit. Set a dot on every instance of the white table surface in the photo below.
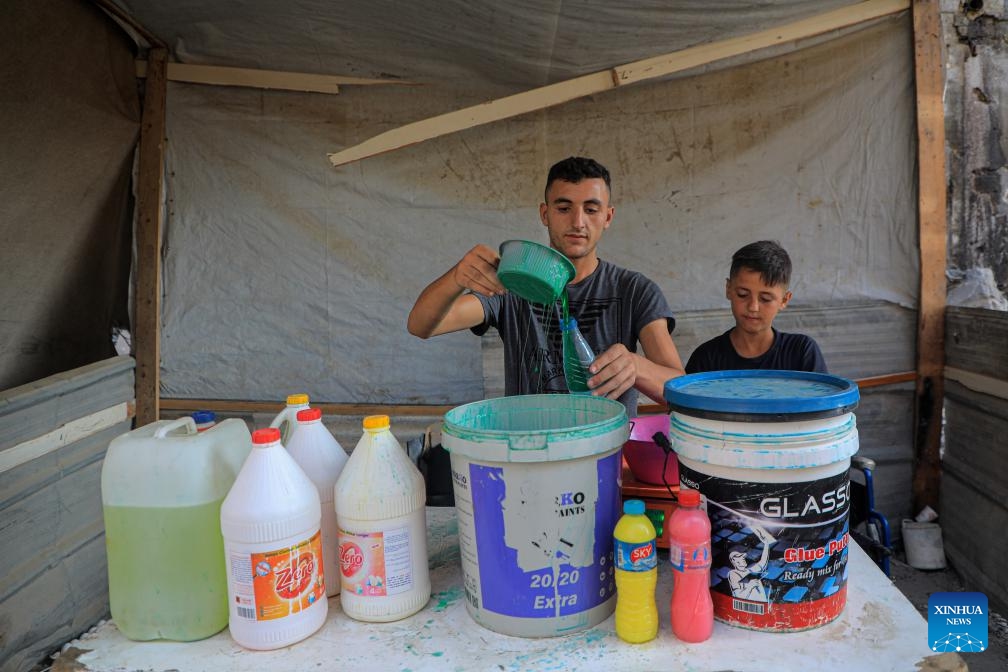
(878, 631)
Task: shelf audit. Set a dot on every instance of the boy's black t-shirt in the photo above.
(791, 352)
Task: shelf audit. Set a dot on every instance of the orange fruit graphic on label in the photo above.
(294, 578)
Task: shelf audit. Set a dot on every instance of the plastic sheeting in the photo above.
(283, 274)
(459, 44)
(69, 122)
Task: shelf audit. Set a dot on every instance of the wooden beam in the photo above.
(261, 79)
(638, 71)
(887, 379)
(978, 382)
(827, 22)
(150, 182)
(932, 225)
(72, 431)
(240, 406)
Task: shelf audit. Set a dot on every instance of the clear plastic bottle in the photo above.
(380, 498)
(321, 456)
(636, 575)
(204, 420)
(577, 356)
(692, 610)
(271, 522)
(286, 420)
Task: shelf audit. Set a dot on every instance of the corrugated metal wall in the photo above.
(974, 486)
(53, 437)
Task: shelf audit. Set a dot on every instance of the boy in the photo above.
(757, 288)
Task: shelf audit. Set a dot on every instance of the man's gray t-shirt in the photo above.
(611, 306)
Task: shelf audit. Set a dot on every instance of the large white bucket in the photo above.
(770, 451)
(537, 491)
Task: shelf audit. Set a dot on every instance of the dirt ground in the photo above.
(917, 585)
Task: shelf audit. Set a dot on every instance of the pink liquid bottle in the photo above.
(690, 552)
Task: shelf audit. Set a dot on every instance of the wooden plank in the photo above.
(72, 431)
(262, 79)
(150, 183)
(34, 409)
(978, 383)
(931, 195)
(240, 406)
(631, 73)
(973, 534)
(477, 115)
(887, 379)
(975, 340)
(54, 608)
(693, 57)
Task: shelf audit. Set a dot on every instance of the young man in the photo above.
(615, 308)
(757, 287)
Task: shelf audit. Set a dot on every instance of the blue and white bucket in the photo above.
(770, 452)
(537, 492)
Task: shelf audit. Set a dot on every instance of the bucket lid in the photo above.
(761, 395)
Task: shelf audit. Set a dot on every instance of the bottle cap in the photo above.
(568, 324)
(297, 399)
(633, 507)
(201, 417)
(263, 436)
(689, 497)
(309, 414)
(376, 422)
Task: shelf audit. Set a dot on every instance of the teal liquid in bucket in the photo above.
(770, 451)
(536, 482)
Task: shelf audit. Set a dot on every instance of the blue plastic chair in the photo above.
(876, 539)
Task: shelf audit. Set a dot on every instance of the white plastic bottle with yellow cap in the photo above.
(271, 521)
(380, 511)
(286, 420)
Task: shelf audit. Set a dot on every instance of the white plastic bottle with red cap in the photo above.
(321, 456)
(286, 420)
(270, 521)
(380, 510)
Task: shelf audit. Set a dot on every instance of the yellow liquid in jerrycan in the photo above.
(166, 571)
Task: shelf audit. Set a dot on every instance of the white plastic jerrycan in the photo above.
(286, 420)
(271, 522)
(162, 486)
(380, 510)
(321, 456)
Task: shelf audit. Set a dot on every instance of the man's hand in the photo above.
(613, 372)
(477, 271)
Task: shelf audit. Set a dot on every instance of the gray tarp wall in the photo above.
(69, 122)
(285, 274)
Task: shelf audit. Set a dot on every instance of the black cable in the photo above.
(662, 442)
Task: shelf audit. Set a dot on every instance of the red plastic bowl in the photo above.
(644, 457)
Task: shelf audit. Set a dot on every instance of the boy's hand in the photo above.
(613, 372)
(477, 271)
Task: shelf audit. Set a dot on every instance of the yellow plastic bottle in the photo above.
(636, 575)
